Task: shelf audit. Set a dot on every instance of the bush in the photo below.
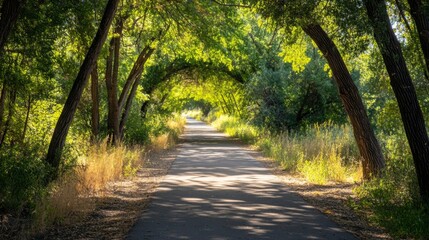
(393, 201)
(22, 175)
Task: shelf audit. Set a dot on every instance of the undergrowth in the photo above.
(23, 194)
(320, 153)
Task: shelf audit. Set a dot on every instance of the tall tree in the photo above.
(63, 124)
(369, 148)
(95, 99)
(421, 20)
(404, 90)
(112, 71)
(304, 15)
(9, 12)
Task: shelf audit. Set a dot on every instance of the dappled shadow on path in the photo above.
(215, 190)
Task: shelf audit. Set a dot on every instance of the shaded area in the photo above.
(216, 190)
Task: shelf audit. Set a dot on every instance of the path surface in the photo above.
(216, 190)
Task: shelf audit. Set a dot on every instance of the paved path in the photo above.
(216, 190)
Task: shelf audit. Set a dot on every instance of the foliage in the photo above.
(393, 200)
(249, 70)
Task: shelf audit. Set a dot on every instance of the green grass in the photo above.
(322, 153)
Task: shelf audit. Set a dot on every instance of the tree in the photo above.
(297, 13)
(402, 85)
(9, 13)
(422, 23)
(63, 124)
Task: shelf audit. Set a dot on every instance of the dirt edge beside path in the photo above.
(121, 204)
(330, 199)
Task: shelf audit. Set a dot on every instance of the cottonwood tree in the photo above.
(304, 15)
(63, 124)
(403, 87)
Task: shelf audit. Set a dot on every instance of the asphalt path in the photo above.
(216, 190)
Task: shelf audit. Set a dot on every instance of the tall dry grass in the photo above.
(168, 139)
(71, 195)
(321, 153)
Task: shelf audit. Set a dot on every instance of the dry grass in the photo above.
(69, 197)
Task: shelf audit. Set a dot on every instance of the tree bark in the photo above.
(95, 111)
(63, 124)
(400, 80)
(9, 14)
(422, 23)
(2, 102)
(27, 118)
(12, 99)
(112, 86)
(136, 72)
(369, 148)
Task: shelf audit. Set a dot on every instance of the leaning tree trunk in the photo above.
(422, 23)
(400, 80)
(9, 13)
(369, 148)
(61, 129)
(136, 75)
(95, 111)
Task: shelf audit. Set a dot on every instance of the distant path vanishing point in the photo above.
(216, 190)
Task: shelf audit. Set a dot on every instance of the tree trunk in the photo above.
(400, 80)
(112, 86)
(12, 99)
(144, 108)
(422, 23)
(137, 72)
(369, 148)
(95, 111)
(2, 102)
(9, 13)
(61, 129)
(27, 118)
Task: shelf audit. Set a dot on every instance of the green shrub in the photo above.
(393, 201)
(22, 175)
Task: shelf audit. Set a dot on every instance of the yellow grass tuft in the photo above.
(70, 196)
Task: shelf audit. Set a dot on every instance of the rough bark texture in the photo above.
(61, 129)
(9, 13)
(369, 148)
(422, 23)
(404, 90)
(95, 111)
